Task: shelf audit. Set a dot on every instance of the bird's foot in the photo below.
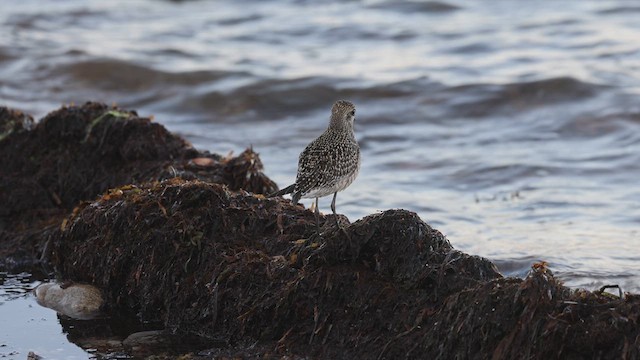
(341, 228)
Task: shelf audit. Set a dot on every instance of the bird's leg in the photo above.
(317, 217)
(335, 216)
(333, 208)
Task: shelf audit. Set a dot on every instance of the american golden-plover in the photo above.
(329, 163)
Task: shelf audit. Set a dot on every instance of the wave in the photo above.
(125, 76)
(619, 10)
(415, 6)
(479, 100)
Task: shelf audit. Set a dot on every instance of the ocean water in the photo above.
(512, 127)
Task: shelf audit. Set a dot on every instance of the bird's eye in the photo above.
(352, 113)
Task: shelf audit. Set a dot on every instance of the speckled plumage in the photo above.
(331, 162)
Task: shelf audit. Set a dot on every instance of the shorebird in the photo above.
(329, 163)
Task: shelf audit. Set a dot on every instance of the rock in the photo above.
(146, 338)
(78, 301)
(33, 356)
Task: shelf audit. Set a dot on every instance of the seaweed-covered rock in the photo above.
(534, 318)
(244, 270)
(77, 153)
(202, 256)
(252, 275)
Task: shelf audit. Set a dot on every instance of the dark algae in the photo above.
(250, 274)
(76, 153)
(186, 240)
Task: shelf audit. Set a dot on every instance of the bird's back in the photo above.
(328, 164)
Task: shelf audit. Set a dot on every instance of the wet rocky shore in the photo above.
(186, 239)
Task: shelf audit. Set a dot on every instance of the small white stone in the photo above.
(78, 301)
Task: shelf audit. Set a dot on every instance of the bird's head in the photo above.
(343, 114)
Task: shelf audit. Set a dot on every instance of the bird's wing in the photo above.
(322, 166)
(313, 168)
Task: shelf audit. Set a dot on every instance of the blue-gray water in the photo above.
(513, 127)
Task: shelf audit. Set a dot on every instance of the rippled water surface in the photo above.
(26, 326)
(512, 127)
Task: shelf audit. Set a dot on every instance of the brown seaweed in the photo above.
(76, 153)
(182, 239)
(251, 274)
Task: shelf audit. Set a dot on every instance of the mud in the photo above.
(251, 275)
(76, 153)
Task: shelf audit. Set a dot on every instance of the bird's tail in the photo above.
(287, 190)
(296, 197)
